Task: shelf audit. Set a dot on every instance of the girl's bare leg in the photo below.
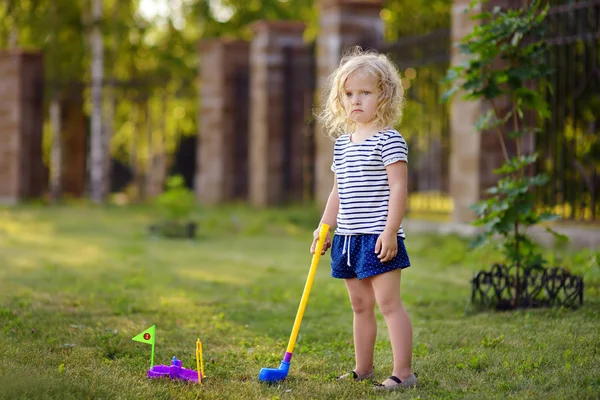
(362, 299)
(387, 292)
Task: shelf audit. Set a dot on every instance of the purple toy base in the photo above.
(173, 371)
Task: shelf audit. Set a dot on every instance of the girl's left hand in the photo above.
(387, 246)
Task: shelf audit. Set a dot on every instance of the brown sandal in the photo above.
(355, 377)
(408, 383)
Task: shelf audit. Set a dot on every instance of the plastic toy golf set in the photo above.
(177, 372)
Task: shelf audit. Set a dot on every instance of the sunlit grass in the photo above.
(77, 283)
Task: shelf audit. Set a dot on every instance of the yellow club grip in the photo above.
(309, 281)
(324, 230)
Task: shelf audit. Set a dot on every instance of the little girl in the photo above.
(367, 202)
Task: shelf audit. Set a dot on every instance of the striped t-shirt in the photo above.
(362, 181)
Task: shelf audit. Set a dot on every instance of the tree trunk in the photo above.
(74, 143)
(133, 153)
(157, 160)
(136, 157)
(148, 182)
(161, 161)
(110, 103)
(13, 38)
(56, 150)
(97, 166)
(109, 127)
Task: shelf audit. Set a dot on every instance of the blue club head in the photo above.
(274, 374)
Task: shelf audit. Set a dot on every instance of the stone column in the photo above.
(344, 23)
(465, 143)
(277, 54)
(74, 133)
(222, 163)
(22, 173)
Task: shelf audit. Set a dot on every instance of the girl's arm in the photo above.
(398, 180)
(332, 207)
(329, 217)
(387, 243)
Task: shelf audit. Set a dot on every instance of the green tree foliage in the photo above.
(52, 26)
(415, 17)
(506, 57)
(152, 63)
(177, 202)
(232, 18)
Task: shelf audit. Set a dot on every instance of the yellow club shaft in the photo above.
(311, 276)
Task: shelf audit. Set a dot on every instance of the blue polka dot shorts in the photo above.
(353, 256)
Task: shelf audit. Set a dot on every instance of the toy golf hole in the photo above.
(174, 371)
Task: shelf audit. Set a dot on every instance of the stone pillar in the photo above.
(465, 143)
(344, 23)
(22, 173)
(474, 155)
(222, 163)
(74, 153)
(278, 63)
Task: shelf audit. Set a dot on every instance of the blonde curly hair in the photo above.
(389, 104)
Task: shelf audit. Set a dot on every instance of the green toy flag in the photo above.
(147, 337)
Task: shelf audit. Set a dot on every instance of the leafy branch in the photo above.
(505, 68)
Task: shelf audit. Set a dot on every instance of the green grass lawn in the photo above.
(77, 283)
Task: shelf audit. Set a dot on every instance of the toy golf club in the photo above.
(278, 374)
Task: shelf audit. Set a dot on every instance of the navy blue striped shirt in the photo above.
(363, 183)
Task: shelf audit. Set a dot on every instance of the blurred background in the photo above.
(105, 99)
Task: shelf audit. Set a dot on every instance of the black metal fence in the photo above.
(569, 144)
(423, 61)
(535, 287)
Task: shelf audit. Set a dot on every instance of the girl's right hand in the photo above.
(326, 245)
